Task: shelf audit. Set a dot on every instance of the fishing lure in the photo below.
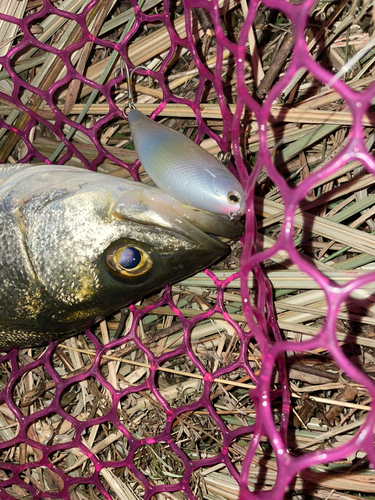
(182, 168)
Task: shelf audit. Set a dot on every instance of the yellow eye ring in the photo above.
(234, 197)
(129, 260)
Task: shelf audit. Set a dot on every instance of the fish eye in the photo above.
(129, 261)
(233, 197)
(129, 257)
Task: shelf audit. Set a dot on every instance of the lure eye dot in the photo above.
(234, 197)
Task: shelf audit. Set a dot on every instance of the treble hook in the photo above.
(129, 80)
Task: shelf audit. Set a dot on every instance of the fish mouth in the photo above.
(152, 206)
(201, 254)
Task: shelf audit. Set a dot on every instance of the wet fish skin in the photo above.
(183, 169)
(61, 229)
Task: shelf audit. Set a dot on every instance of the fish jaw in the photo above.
(59, 227)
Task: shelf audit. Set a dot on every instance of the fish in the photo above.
(77, 245)
(183, 169)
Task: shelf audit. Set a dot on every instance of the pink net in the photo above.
(39, 474)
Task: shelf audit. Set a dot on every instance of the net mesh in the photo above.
(39, 473)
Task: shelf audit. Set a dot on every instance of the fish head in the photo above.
(155, 245)
(94, 243)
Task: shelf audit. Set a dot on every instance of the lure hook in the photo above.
(224, 157)
(129, 80)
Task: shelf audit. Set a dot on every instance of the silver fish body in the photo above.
(183, 169)
(76, 246)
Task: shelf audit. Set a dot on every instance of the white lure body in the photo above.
(183, 169)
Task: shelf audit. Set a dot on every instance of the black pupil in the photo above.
(234, 198)
(129, 257)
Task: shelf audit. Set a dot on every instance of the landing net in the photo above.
(114, 430)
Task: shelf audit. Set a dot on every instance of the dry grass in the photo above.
(309, 126)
